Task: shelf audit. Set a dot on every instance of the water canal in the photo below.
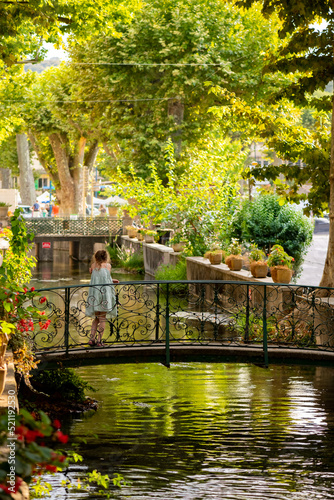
(202, 431)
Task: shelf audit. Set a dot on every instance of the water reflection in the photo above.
(210, 431)
(66, 271)
(202, 431)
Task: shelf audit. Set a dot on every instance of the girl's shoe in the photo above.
(92, 342)
(100, 344)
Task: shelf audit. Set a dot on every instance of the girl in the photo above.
(101, 300)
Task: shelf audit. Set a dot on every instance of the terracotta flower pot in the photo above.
(112, 211)
(140, 237)
(234, 262)
(132, 233)
(273, 272)
(259, 269)
(284, 274)
(149, 238)
(215, 258)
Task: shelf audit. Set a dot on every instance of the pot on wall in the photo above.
(259, 269)
(132, 233)
(281, 274)
(149, 238)
(179, 247)
(234, 262)
(112, 211)
(215, 258)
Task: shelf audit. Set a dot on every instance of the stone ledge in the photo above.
(242, 275)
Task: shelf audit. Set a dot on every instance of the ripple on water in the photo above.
(211, 431)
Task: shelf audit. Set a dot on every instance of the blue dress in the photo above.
(101, 296)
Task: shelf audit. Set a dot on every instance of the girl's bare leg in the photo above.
(94, 328)
(101, 327)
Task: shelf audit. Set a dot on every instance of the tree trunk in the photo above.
(176, 109)
(77, 172)
(66, 193)
(328, 273)
(27, 184)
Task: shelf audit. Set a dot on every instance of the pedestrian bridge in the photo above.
(170, 321)
(81, 232)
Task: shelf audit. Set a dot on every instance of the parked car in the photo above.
(96, 211)
(27, 212)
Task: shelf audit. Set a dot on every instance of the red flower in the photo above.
(42, 299)
(51, 468)
(32, 289)
(56, 424)
(32, 435)
(63, 438)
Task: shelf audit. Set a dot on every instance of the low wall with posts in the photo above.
(281, 297)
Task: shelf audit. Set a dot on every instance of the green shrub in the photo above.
(265, 222)
(63, 383)
(170, 273)
(113, 255)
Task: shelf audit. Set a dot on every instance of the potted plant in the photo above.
(280, 264)
(113, 208)
(4, 208)
(140, 234)
(149, 235)
(132, 231)
(177, 242)
(234, 260)
(258, 265)
(215, 254)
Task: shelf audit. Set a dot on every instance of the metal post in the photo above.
(247, 315)
(167, 327)
(157, 324)
(67, 318)
(265, 333)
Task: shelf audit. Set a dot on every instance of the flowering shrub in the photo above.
(278, 257)
(28, 453)
(18, 315)
(235, 247)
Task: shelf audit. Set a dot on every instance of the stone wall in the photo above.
(155, 255)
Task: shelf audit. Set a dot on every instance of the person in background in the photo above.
(36, 209)
(103, 210)
(55, 210)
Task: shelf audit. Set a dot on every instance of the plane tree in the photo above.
(307, 54)
(150, 79)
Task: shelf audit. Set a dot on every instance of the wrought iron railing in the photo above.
(83, 226)
(223, 313)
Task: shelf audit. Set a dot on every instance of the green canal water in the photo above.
(203, 431)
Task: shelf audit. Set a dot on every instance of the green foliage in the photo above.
(256, 254)
(235, 248)
(64, 383)
(126, 258)
(278, 257)
(266, 222)
(159, 66)
(170, 273)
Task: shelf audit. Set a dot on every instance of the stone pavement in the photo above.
(314, 261)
